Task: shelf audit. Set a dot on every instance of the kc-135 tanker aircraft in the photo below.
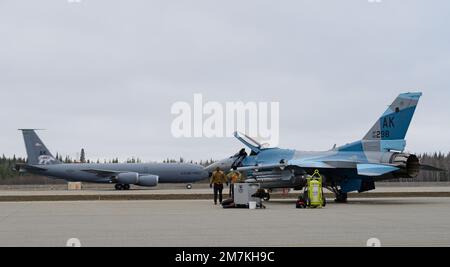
(41, 162)
(352, 167)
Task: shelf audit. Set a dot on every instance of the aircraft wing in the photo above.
(362, 169)
(310, 164)
(102, 173)
(366, 169)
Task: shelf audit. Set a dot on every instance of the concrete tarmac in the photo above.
(20, 194)
(192, 223)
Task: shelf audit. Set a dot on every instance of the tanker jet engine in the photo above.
(41, 162)
(353, 167)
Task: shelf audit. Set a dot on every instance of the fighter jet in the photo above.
(41, 162)
(353, 167)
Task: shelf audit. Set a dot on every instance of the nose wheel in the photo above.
(267, 196)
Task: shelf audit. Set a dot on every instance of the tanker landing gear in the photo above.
(122, 187)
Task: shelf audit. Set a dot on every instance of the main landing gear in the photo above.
(122, 187)
(341, 197)
(262, 194)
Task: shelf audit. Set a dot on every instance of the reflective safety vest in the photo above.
(234, 177)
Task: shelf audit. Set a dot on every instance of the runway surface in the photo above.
(21, 194)
(396, 222)
(202, 190)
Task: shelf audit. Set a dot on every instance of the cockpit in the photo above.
(241, 152)
(254, 145)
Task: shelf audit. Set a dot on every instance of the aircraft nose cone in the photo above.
(201, 173)
(223, 165)
(211, 168)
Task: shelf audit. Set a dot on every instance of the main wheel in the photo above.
(341, 198)
(119, 187)
(126, 187)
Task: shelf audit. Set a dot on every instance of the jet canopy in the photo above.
(251, 143)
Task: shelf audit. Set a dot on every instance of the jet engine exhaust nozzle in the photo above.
(408, 163)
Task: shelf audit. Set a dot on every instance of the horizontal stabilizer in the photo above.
(430, 168)
(27, 167)
(375, 169)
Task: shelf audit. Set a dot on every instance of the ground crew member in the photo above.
(233, 177)
(218, 178)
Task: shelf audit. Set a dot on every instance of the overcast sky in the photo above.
(103, 74)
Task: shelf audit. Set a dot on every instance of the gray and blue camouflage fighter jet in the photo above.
(41, 162)
(352, 167)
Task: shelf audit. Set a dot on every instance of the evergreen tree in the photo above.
(82, 156)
